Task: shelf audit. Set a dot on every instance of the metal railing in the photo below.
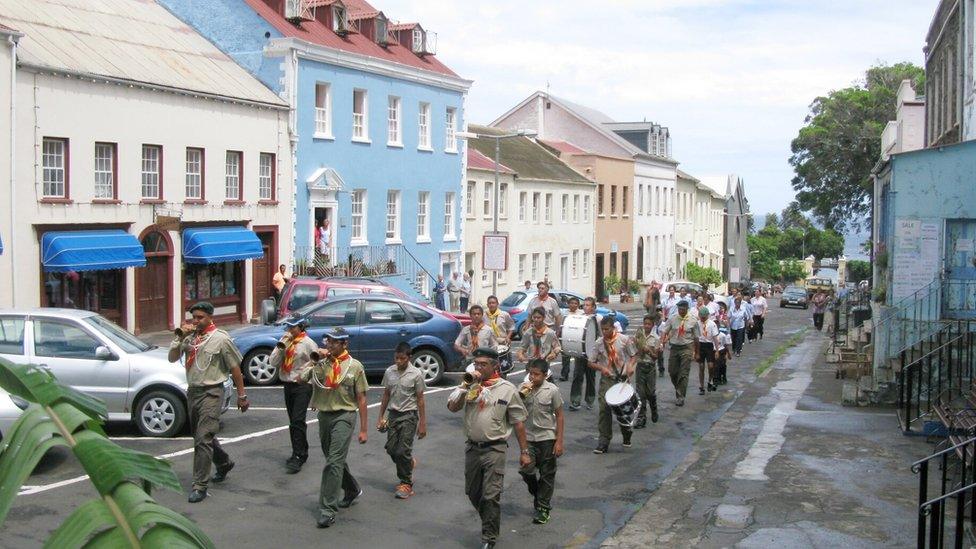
(940, 374)
(849, 312)
(932, 513)
(364, 261)
(907, 322)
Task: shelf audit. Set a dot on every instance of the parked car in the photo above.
(11, 406)
(794, 296)
(691, 287)
(376, 323)
(816, 284)
(517, 304)
(91, 354)
(303, 290)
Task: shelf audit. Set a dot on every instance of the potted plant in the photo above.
(612, 283)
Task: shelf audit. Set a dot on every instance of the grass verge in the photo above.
(779, 352)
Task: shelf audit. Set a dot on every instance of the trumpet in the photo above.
(283, 342)
(318, 355)
(525, 389)
(179, 333)
(468, 378)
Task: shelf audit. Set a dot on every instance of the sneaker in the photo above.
(680, 402)
(222, 471)
(627, 443)
(349, 499)
(574, 407)
(541, 517)
(293, 465)
(589, 406)
(196, 496)
(701, 390)
(325, 521)
(641, 423)
(711, 386)
(404, 491)
(601, 449)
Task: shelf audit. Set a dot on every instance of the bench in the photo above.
(957, 411)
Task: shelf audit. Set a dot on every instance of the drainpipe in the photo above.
(12, 42)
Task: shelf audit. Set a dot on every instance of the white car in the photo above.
(10, 409)
(95, 356)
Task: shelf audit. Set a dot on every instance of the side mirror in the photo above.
(104, 353)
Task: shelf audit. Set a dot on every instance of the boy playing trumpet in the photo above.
(290, 356)
(544, 433)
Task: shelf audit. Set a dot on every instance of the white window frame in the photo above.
(358, 216)
(360, 120)
(393, 217)
(194, 174)
(565, 208)
(394, 122)
(586, 262)
(547, 264)
(535, 266)
(576, 208)
(266, 178)
(232, 175)
(423, 216)
(575, 264)
(151, 176)
(536, 199)
(104, 168)
(323, 111)
(523, 206)
(488, 196)
(586, 208)
(423, 127)
(521, 267)
(640, 200)
(469, 199)
(53, 155)
(502, 200)
(450, 131)
(548, 208)
(449, 217)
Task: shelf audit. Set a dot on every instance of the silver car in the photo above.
(95, 356)
(10, 409)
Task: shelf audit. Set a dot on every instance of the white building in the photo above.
(699, 223)
(541, 207)
(131, 125)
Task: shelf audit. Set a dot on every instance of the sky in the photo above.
(731, 79)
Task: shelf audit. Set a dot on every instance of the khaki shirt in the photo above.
(626, 350)
(540, 347)
(403, 387)
(503, 324)
(646, 342)
(554, 316)
(486, 338)
(215, 359)
(692, 329)
(303, 353)
(494, 420)
(541, 405)
(343, 397)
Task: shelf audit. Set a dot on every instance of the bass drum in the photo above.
(580, 333)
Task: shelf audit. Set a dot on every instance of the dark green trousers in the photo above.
(647, 386)
(484, 479)
(606, 417)
(540, 475)
(205, 404)
(679, 366)
(401, 429)
(335, 432)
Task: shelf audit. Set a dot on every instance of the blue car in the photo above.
(376, 324)
(517, 305)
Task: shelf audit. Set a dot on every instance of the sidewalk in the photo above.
(788, 466)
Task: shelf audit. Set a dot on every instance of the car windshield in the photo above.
(126, 341)
(311, 307)
(513, 299)
(795, 293)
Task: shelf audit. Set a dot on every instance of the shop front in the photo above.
(213, 268)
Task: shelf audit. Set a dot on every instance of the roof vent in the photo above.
(297, 11)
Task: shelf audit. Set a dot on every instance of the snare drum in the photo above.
(624, 403)
(504, 359)
(580, 333)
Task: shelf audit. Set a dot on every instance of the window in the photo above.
(233, 175)
(576, 208)
(12, 335)
(624, 191)
(535, 266)
(54, 162)
(392, 215)
(575, 264)
(323, 110)
(535, 207)
(358, 215)
(523, 199)
(450, 141)
(339, 22)
(105, 172)
(423, 125)
(341, 313)
(393, 122)
(212, 281)
(55, 338)
(599, 200)
(565, 208)
(586, 208)
(484, 277)
(469, 199)
(521, 267)
(586, 262)
(423, 219)
(657, 200)
(613, 200)
(502, 199)
(266, 177)
(194, 174)
(448, 215)
(360, 116)
(302, 295)
(151, 172)
(383, 312)
(640, 200)
(548, 263)
(487, 199)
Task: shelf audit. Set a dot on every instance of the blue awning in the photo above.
(65, 251)
(219, 244)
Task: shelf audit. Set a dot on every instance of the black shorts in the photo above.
(706, 352)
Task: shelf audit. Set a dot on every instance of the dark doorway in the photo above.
(600, 289)
(640, 259)
(624, 271)
(263, 269)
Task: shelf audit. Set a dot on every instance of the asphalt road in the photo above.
(260, 506)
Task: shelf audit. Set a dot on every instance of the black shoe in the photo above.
(601, 449)
(711, 386)
(563, 378)
(589, 406)
(349, 499)
(196, 496)
(222, 471)
(641, 423)
(627, 443)
(653, 415)
(680, 402)
(488, 545)
(293, 465)
(701, 390)
(574, 407)
(325, 521)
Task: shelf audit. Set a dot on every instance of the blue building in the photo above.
(374, 119)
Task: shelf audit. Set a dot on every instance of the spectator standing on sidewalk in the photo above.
(440, 291)
(454, 291)
(465, 291)
(652, 298)
(278, 282)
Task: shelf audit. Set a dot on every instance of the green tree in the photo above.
(763, 261)
(706, 276)
(858, 270)
(792, 270)
(834, 152)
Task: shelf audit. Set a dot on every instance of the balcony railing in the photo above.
(957, 492)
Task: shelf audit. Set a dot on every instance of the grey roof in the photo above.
(598, 120)
(137, 41)
(527, 158)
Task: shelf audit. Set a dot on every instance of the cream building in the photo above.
(684, 221)
(699, 224)
(545, 207)
(144, 184)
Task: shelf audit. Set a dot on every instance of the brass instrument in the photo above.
(469, 378)
(525, 389)
(283, 342)
(319, 355)
(179, 333)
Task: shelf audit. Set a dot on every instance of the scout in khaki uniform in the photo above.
(209, 356)
(492, 409)
(291, 354)
(614, 357)
(648, 347)
(544, 431)
(478, 334)
(539, 341)
(338, 391)
(499, 321)
(682, 331)
(403, 401)
(554, 315)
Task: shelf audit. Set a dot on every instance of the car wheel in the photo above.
(258, 369)
(431, 364)
(160, 414)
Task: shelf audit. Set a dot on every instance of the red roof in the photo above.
(317, 33)
(478, 161)
(563, 146)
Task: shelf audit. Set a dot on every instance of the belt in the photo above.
(487, 444)
(205, 387)
(391, 411)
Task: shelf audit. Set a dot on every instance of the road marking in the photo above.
(151, 439)
(29, 490)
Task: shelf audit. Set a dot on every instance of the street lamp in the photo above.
(498, 140)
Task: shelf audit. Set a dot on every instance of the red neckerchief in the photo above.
(611, 350)
(681, 326)
(291, 351)
(332, 378)
(197, 340)
(495, 378)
